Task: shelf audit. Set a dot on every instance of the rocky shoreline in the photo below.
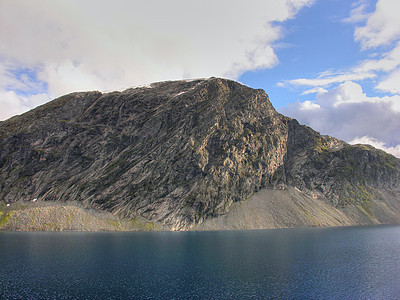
(69, 216)
(266, 209)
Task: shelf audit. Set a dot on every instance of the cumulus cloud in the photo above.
(107, 45)
(346, 112)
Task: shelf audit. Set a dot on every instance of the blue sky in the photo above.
(315, 41)
(332, 64)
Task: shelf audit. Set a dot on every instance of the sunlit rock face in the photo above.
(180, 152)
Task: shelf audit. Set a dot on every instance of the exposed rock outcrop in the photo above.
(181, 152)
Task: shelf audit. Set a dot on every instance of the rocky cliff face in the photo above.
(180, 152)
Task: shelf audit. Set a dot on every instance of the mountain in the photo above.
(180, 155)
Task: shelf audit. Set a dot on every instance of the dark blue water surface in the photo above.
(335, 263)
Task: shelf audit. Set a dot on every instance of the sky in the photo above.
(334, 65)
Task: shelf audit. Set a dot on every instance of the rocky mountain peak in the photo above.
(178, 153)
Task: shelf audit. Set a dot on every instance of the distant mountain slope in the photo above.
(181, 152)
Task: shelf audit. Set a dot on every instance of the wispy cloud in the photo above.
(326, 79)
(358, 13)
(386, 62)
(382, 26)
(390, 83)
(317, 90)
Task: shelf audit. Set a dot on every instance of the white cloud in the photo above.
(317, 90)
(357, 14)
(387, 62)
(14, 77)
(125, 41)
(326, 79)
(346, 113)
(67, 76)
(382, 26)
(13, 104)
(391, 83)
(382, 29)
(377, 144)
(308, 105)
(107, 45)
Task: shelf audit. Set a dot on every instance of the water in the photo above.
(335, 263)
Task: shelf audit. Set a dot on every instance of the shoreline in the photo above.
(261, 211)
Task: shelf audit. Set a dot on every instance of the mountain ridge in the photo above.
(179, 153)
